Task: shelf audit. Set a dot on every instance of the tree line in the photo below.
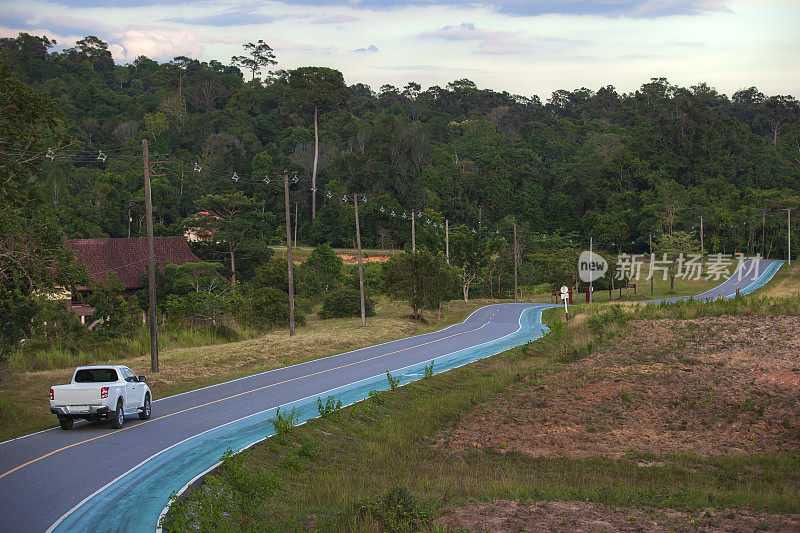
(619, 167)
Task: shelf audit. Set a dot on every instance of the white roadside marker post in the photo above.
(565, 297)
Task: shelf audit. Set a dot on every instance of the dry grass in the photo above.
(682, 287)
(23, 395)
(785, 284)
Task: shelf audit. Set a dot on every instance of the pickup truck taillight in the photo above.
(52, 395)
(104, 392)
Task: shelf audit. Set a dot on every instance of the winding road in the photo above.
(94, 478)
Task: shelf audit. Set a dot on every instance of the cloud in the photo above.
(603, 8)
(234, 17)
(57, 24)
(161, 44)
(608, 8)
(634, 57)
(335, 19)
(411, 68)
(490, 41)
(368, 50)
(303, 48)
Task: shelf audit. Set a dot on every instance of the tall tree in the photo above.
(320, 89)
(780, 110)
(181, 63)
(671, 199)
(673, 246)
(470, 252)
(237, 223)
(260, 55)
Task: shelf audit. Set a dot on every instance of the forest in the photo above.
(621, 168)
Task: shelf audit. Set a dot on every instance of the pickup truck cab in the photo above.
(101, 392)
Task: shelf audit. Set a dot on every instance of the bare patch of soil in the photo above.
(709, 386)
(352, 259)
(575, 516)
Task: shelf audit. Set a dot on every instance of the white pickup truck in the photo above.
(102, 392)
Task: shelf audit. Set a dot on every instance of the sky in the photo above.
(531, 47)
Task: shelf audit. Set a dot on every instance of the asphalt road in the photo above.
(45, 476)
(748, 277)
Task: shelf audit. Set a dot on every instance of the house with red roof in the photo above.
(127, 258)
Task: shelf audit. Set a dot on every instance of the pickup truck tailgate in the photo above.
(77, 394)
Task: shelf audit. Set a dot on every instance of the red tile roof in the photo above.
(128, 257)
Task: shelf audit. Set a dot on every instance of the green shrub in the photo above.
(268, 305)
(394, 382)
(330, 407)
(283, 423)
(345, 302)
(541, 288)
(207, 507)
(247, 482)
(607, 319)
(321, 272)
(396, 511)
(54, 323)
(302, 305)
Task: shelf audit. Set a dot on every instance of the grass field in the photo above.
(373, 466)
(23, 395)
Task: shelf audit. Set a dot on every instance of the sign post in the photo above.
(565, 297)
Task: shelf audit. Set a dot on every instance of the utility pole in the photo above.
(447, 240)
(413, 235)
(360, 263)
(702, 244)
(289, 264)
(295, 225)
(151, 262)
(789, 219)
(591, 258)
(515, 262)
(651, 259)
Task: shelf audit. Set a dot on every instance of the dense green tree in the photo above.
(236, 223)
(470, 252)
(268, 306)
(32, 254)
(672, 249)
(551, 259)
(320, 273)
(424, 280)
(118, 314)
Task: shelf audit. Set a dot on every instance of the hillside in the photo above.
(585, 162)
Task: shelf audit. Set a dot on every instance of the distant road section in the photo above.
(750, 276)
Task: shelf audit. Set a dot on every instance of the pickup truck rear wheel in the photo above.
(144, 414)
(118, 416)
(66, 423)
